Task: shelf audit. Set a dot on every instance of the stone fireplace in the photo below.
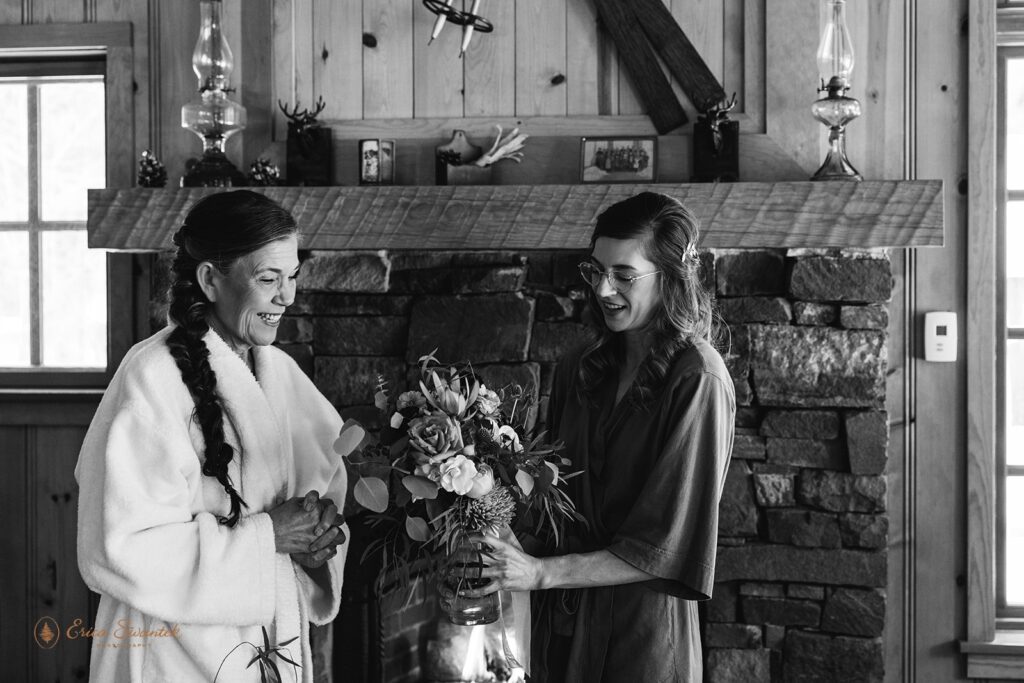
(801, 573)
(802, 561)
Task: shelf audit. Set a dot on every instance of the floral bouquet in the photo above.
(454, 458)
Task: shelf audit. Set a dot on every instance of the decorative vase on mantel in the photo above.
(212, 116)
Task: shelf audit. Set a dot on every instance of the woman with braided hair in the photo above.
(209, 488)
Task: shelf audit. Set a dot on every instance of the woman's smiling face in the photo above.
(632, 309)
(249, 299)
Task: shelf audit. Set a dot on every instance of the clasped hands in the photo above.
(308, 529)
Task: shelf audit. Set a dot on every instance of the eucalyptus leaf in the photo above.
(421, 487)
(352, 434)
(524, 480)
(417, 528)
(371, 493)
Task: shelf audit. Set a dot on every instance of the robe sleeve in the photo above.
(671, 532)
(138, 540)
(315, 426)
(321, 587)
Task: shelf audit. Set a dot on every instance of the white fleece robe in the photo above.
(148, 538)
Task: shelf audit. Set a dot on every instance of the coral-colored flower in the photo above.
(457, 474)
(411, 399)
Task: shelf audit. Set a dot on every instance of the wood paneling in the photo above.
(805, 214)
(11, 12)
(437, 68)
(15, 622)
(178, 84)
(338, 58)
(703, 23)
(752, 97)
(60, 592)
(112, 10)
(791, 78)
(57, 11)
(387, 65)
(582, 58)
(733, 39)
(941, 150)
(254, 62)
(981, 325)
(540, 57)
(490, 66)
(15, 39)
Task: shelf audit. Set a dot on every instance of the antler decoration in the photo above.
(303, 120)
(507, 148)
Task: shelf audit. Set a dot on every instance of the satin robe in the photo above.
(652, 479)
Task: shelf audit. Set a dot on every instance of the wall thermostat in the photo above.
(940, 336)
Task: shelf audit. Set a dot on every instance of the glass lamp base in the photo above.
(213, 170)
(837, 167)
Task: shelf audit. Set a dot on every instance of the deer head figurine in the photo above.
(301, 122)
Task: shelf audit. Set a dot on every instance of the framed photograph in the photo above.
(618, 160)
(376, 162)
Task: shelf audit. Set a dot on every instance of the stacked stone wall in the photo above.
(803, 531)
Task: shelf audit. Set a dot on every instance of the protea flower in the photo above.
(496, 509)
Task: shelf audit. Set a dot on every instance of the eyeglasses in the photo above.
(620, 282)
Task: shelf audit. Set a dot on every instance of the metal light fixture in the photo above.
(835, 110)
(212, 116)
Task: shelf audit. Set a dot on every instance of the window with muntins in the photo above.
(1010, 337)
(52, 148)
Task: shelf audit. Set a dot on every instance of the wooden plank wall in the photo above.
(38, 559)
(548, 65)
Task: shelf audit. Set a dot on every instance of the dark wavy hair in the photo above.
(220, 228)
(669, 234)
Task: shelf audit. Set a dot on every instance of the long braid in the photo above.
(188, 310)
(219, 229)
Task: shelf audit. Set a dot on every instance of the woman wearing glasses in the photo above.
(647, 413)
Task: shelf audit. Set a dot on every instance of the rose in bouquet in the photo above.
(453, 458)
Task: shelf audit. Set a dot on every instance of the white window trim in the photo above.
(114, 41)
(993, 649)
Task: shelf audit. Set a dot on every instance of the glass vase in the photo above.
(462, 572)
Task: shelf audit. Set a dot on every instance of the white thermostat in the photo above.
(940, 336)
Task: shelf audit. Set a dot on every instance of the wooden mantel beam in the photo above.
(868, 214)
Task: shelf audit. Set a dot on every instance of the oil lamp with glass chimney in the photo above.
(835, 109)
(212, 116)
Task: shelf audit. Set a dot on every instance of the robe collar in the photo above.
(256, 425)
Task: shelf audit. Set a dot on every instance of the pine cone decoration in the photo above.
(263, 172)
(495, 509)
(151, 172)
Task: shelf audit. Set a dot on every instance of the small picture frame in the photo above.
(376, 162)
(618, 159)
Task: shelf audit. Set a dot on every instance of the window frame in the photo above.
(994, 645)
(113, 41)
(1004, 613)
